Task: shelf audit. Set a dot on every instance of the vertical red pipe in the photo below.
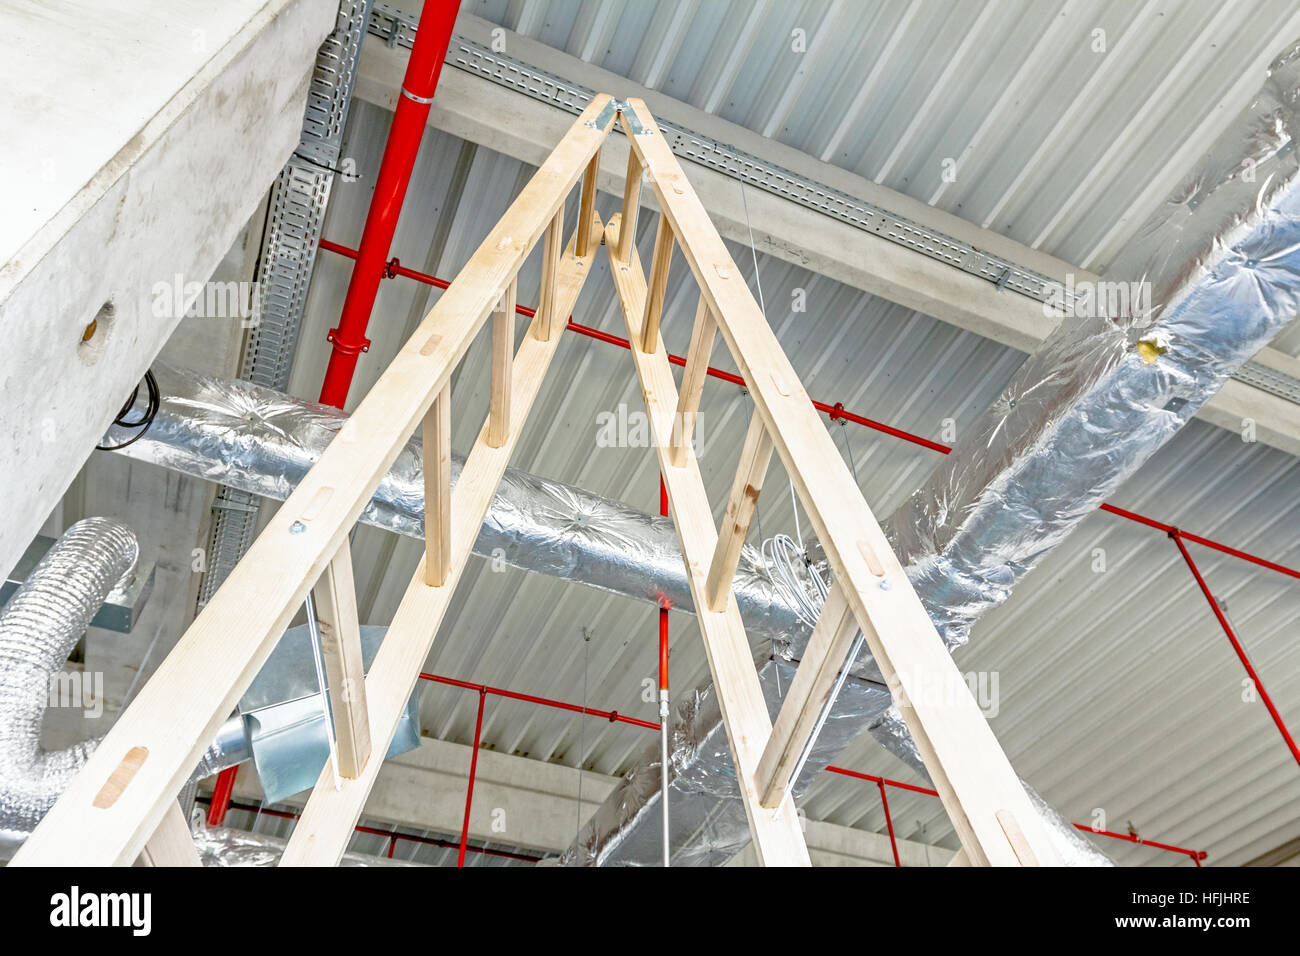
(221, 795)
(349, 336)
(884, 800)
(473, 769)
(1177, 537)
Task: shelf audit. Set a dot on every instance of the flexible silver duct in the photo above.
(1221, 263)
(262, 441)
(40, 626)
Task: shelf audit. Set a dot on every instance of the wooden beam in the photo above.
(340, 635)
(830, 643)
(322, 833)
(503, 355)
(631, 203)
(110, 809)
(171, 843)
(658, 284)
(965, 762)
(437, 488)
(551, 246)
(778, 840)
(703, 333)
(587, 206)
(741, 504)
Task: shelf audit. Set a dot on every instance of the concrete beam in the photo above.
(482, 112)
(534, 805)
(119, 129)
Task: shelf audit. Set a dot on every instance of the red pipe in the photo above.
(836, 411)
(884, 801)
(1196, 855)
(221, 794)
(349, 338)
(1177, 537)
(473, 770)
(611, 715)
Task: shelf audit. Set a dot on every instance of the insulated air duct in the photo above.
(40, 626)
(1209, 280)
(262, 441)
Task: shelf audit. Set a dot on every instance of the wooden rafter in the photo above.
(968, 767)
(122, 804)
(115, 803)
(322, 833)
(340, 634)
(778, 839)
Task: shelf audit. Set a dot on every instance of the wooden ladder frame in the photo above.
(122, 802)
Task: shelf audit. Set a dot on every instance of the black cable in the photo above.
(150, 412)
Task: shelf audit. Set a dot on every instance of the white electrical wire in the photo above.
(788, 568)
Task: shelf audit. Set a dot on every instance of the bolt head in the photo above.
(297, 528)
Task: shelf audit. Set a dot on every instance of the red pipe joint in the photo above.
(349, 339)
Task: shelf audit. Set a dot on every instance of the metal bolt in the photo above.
(885, 585)
(297, 528)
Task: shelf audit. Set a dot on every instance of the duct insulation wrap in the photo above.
(262, 441)
(1208, 280)
(1206, 283)
(707, 817)
(223, 846)
(39, 628)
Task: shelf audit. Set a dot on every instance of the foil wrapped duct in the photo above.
(223, 846)
(39, 627)
(1073, 847)
(262, 441)
(1217, 268)
(1213, 276)
(707, 817)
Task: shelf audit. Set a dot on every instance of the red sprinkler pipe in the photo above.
(473, 770)
(1196, 855)
(349, 336)
(836, 411)
(884, 802)
(221, 794)
(612, 716)
(1177, 537)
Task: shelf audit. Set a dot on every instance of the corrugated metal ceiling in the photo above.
(1118, 691)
